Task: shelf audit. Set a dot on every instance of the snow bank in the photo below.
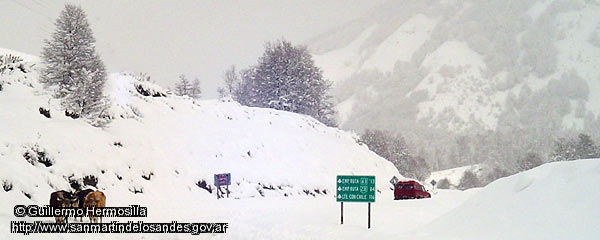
(554, 201)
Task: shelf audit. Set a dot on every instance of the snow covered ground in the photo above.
(554, 201)
(283, 168)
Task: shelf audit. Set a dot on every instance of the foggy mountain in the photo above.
(469, 81)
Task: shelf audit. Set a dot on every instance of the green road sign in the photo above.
(355, 189)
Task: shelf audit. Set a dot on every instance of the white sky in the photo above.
(198, 38)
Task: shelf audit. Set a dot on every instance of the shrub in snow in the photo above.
(90, 180)
(45, 112)
(202, 184)
(444, 184)
(529, 161)
(74, 182)
(148, 176)
(36, 154)
(469, 180)
(10, 62)
(7, 186)
(136, 190)
(28, 195)
(148, 91)
(71, 114)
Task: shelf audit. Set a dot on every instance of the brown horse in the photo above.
(95, 199)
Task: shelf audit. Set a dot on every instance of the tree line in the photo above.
(285, 77)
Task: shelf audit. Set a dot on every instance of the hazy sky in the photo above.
(166, 38)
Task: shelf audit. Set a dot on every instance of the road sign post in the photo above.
(222, 179)
(355, 189)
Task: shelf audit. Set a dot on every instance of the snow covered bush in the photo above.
(10, 62)
(6, 185)
(149, 90)
(36, 154)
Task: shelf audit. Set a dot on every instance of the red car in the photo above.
(410, 190)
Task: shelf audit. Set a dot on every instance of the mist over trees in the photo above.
(394, 149)
(73, 69)
(285, 78)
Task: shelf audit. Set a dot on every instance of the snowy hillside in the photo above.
(161, 146)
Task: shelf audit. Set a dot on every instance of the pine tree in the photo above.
(183, 86)
(286, 78)
(187, 88)
(72, 66)
(195, 91)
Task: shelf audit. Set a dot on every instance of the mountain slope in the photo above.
(467, 57)
(438, 71)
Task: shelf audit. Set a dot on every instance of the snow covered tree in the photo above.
(529, 161)
(231, 79)
(187, 88)
(286, 78)
(195, 90)
(182, 87)
(572, 149)
(586, 147)
(72, 66)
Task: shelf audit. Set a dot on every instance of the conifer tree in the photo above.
(72, 66)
